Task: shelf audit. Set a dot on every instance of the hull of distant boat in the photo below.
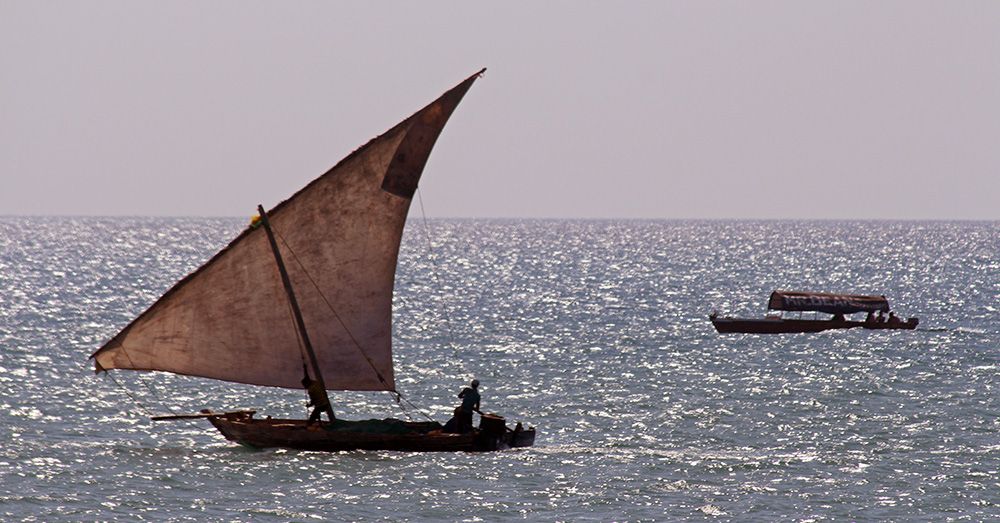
(783, 326)
(362, 435)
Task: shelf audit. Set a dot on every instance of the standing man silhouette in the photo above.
(470, 403)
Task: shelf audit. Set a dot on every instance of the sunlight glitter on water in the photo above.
(594, 331)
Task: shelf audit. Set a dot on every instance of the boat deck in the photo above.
(340, 435)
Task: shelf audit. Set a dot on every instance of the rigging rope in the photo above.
(434, 271)
(145, 384)
(350, 335)
(335, 314)
(129, 394)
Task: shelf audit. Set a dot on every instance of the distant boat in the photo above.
(838, 305)
(247, 317)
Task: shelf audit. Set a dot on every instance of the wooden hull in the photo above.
(785, 326)
(341, 435)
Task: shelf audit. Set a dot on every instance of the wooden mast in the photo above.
(300, 324)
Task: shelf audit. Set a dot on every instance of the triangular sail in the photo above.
(339, 236)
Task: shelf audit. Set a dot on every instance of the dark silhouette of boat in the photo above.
(230, 319)
(839, 305)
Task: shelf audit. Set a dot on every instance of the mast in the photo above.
(299, 323)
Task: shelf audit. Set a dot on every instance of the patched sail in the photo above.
(339, 236)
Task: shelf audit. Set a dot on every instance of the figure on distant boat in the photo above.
(840, 307)
(317, 399)
(470, 403)
(893, 319)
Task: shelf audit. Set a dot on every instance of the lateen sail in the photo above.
(339, 236)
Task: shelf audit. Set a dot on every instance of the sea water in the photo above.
(595, 332)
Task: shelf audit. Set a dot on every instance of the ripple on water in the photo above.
(595, 331)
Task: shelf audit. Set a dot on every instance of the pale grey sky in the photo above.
(791, 109)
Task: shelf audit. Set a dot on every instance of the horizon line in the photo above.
(540, 218)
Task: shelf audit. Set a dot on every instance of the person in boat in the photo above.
(838, 318)
(879, 318)
(470, 403)
(318, 400)
(893, 319)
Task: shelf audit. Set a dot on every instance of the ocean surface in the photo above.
(595, 332)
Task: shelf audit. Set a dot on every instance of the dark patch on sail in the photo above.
(403, 174)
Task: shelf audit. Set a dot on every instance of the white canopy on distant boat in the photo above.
(339, 236)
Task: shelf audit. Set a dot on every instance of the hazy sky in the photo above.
(589, 109)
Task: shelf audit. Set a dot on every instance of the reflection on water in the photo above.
(596, 332)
